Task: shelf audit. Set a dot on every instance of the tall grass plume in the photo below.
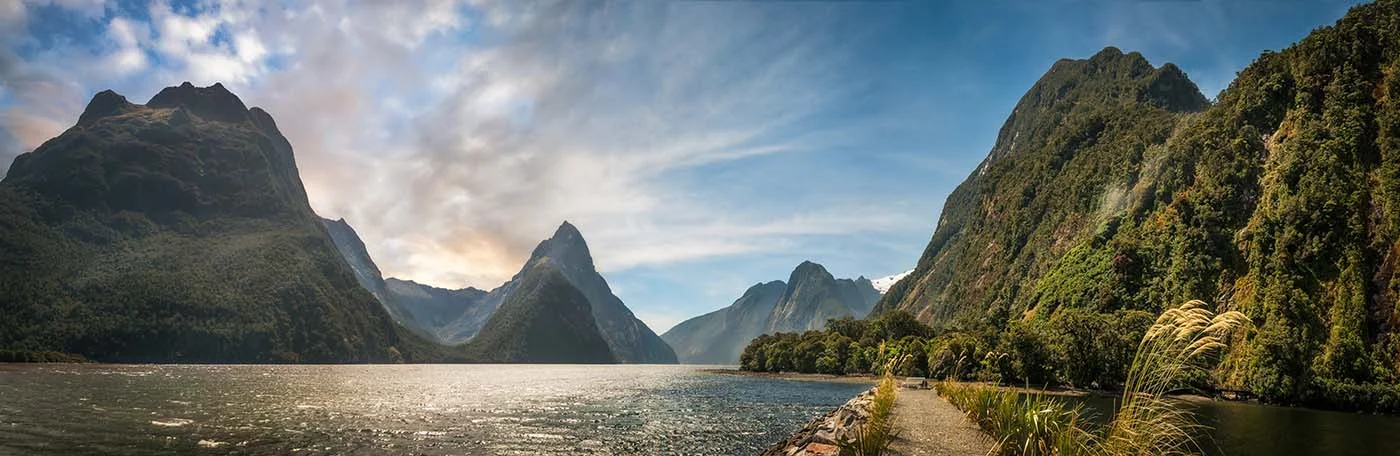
(1180, 344)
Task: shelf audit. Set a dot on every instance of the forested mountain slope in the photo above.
(1114, 186)
(177, 231)
(1109, 190)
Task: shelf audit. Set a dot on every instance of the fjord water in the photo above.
(1250, 429)
(399, 409)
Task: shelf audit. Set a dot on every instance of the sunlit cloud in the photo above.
(454, 136)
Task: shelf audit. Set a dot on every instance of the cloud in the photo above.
(454, 136)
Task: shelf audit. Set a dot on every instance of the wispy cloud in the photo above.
(456, 135)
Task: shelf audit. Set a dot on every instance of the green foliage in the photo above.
(873, 438)
(1179, 342)
(1029, 355)
(1076, 347)
(24, 356)
(1280, 200)
(1021, 424)
(847, 346)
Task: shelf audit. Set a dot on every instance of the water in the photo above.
(1247, 429)
(400, 409)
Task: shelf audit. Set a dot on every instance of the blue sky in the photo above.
(700, 147)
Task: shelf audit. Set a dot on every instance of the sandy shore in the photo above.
(857, 379)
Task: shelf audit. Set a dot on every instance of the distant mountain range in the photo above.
(805, 302)
(179, 231)
(453, 317)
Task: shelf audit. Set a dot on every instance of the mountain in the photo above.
(1068, 160)
(454, 317)
(177, 231)
(1113, 185)
(451, 316)
(719, 337)
(448, 317)
(813, 296)
(631, 340)
(352, 249)
(544, 320)
(883, 284)
(809, 297)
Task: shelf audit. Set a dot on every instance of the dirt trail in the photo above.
(930, 426)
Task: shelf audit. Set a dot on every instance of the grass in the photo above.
(1147, 422)
(1031, 425)
(874, 437)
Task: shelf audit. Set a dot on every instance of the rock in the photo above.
(820, 449)
(822, 435)
(103, 104)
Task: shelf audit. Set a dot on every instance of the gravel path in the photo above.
(930, 426)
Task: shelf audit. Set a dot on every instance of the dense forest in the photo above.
(1080, 348)
(1114, 187)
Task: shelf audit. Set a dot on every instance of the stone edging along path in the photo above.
(819, 437)
(925, 425)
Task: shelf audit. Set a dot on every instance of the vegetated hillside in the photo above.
(1107, 190)
(452, 316)
(806, 301)
(177, 231)
(544, 320)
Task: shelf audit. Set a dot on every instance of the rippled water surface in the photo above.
(417, 409)
(1247, 429)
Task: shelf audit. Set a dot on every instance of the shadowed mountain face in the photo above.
(454, 317)
(719, 337)
(545, 319)
(806, 301)
(444, 316)
(176, 231)
(630, 339)
(1281, 200)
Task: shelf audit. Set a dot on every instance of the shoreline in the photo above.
(796, 376)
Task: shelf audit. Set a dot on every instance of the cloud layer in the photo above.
(456, 135)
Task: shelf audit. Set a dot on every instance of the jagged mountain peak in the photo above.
(103, 104)
(1074, 88)
(213, 103)
(566, 249)
(808, 270)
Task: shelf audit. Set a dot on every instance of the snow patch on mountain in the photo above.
(883, 284)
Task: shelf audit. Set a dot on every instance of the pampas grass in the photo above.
(1181, 343)
(1031, 425)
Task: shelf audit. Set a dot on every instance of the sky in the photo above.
(700, 147)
